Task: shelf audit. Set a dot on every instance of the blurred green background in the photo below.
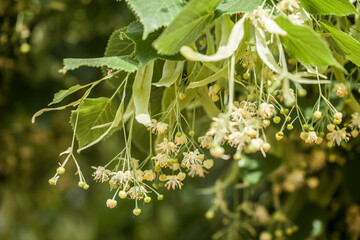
(35, 36)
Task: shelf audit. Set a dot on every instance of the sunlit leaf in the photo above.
(155, 13)
(305, 44)
(326, 7)
(348, 44)
(187, 26)
(236, 6)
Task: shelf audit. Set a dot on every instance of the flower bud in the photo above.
(181, 176)
(136, 211)
(338, 116)
(60, 170)
(279, 136)
(317, 114)
(111, 203)
(276, 119)
(208, 163)
(122, 194)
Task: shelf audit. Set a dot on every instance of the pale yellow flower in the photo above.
(173, 182)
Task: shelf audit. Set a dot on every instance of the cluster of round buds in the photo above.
(213, 92)
(83, 185)
(310, 136)
(60, 171)
(248, 61)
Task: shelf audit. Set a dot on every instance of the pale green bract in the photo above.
(171, 72)
(141, 93)
(236, 35)
(264, 51)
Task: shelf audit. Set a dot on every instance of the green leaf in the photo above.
(118, 45)
(238, 6)
(125, 63)
(141, 93)
(93, 112)
(348, 44)
(144, 51)
(171, 72)
(326, 7)
(306, 45)
(187, 26)
(59, 96)
(155, 13)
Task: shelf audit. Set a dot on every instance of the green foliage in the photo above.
(125, 63)
(325, 7)
(302, 42)
(155, 14)
(144, 50)
(348, 44)
(92, 119)
(59, 96)
(236, 6)
(186, 26)
(118, 44)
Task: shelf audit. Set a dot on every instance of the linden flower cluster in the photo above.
(127, 182)
(243, 130)
(173, 160)
(168, 155)
(335, 135)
